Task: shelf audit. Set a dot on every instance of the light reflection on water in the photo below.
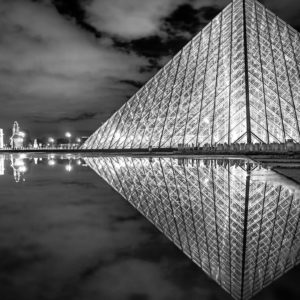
(19, 164)
(206, 207)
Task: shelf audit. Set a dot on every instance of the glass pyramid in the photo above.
(237, 81)
(237, 221)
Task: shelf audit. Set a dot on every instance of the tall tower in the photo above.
(16, 128)
(237, 81)
(17, 138)
(1, 139)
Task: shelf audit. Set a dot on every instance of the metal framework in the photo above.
(238, 222)
(237, 81)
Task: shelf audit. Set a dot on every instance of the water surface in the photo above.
(67, 234)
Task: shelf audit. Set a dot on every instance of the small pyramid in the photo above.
(237, 81)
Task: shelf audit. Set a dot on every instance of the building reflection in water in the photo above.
(2, 168)
(238, 222)
(19, 167)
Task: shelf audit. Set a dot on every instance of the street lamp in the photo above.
(68, 135)
(78, 140)
(51, 141)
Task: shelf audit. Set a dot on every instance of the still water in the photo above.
(76, 227)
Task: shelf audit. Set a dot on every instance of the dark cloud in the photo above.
(138, 296)
(91, 270)
(152, 46)
(21, 259)
(127, 218)
(74, 9)
(65, 119)
(188, 19)
(175, 31)
(134, 83)
(80, 117)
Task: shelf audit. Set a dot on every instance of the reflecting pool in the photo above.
(67, 233)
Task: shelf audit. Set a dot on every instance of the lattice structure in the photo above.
(240, 228)
(237, 81)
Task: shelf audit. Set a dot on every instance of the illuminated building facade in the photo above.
(237, 81)
(1, 139)
(237, 221)
(35, 144)
(17, 138)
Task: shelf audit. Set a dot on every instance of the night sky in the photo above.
(69, 64)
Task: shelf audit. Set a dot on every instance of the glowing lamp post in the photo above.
(51, 141)
(78, 140)
(68, 135)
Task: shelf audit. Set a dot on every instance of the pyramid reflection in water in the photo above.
(237, 221)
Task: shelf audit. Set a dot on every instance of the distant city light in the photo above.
(78, 140)
(68, 135)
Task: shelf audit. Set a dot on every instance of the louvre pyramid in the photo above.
(237, 222)
(237, 81)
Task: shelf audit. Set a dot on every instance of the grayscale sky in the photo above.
(69, 64)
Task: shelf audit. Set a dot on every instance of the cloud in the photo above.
(134, 83)
(59, 59)
(129, 19)
(50, 67)
(74, 10)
